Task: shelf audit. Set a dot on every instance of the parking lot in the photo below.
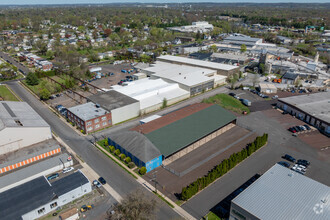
(197, 163)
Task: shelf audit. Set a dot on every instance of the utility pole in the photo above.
(154, 179)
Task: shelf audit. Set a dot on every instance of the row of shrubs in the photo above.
(123, 157)
(219, 170)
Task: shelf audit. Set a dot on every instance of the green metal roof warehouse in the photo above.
(182, 133)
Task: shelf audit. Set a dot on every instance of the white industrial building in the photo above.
(192, 79)
(198, 26)
(38, 197)
(281, 193)
(151, 93)
(20, 126)
(221, 69)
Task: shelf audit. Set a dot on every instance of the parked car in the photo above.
(236, 97)
(232, 94)
(299, 169)
(285, 164)
(246, 102)
(292, 130)
(298, 129)
(289, 158)
(68, 169)
(307, 127)
(302, 128)
(275, 97)
(53, 176)
(102, 180)
(97, 183)
(303, 162)
(84, 208)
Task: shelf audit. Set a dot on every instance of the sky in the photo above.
(37, 2)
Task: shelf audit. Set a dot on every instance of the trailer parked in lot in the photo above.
(246, 102)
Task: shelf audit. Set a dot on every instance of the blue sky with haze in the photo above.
(24, 2)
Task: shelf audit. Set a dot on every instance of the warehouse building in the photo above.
(151, 93)
(38, 197)
(121, 106)
(28, 173)
(313, 109)
(282, 194)
(136, 146)
(192, 79)
(222, 69)
(229, 58)
(20, 126)
(89, 117)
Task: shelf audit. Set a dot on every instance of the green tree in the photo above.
(44, 94)
(122, 157)
(243, 48)
(143, 170)
(164, 105)
(128, 159)
(117, 152)
(32, 79)
(213, 48)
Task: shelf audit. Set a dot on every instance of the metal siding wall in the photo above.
(154, 163)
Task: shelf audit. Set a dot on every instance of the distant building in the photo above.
(20, 126)
(89, 117)
(222, 69)
(39, 197)
(313, 109)
(290, 78)
(199, 26)
(281, 193)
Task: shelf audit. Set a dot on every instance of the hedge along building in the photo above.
(171, 136)
(136, 146)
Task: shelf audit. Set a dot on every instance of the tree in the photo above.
(44, 94)
(232, 80)
(32, 79)
(164, 105)
(255, 79)
(137, 206)
(117, 152)
(143, 170)
(213, 48)
(243, 48)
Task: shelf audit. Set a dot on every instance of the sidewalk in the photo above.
(151, 188)
(90, 173)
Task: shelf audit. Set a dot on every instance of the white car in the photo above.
(68, 169)
(97, 183)
(299, 168)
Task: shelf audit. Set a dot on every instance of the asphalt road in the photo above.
(121, 181)
(23, 69)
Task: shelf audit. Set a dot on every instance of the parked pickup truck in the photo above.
(246, 102)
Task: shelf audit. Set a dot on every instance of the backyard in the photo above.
(228, 103)
(6, 94)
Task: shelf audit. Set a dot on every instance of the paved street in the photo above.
(11, 60)
(121, 181)
(280, 142)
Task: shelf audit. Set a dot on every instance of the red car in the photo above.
(292, 130)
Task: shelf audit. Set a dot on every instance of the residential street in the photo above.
(11, 60)
(121, 181)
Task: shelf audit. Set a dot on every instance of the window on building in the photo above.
(97, 126)
(53, 205)
(104, 123)
(89, 128)
(109, 121)
(41, 211)
(89, 123)
(96, 120)
(104, 118)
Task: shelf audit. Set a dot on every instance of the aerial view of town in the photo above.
(169, 110)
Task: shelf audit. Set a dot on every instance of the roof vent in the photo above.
(184, 77)
(179, 73)
(97, 105)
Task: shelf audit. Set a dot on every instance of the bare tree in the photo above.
(255, 79)
(135, 206)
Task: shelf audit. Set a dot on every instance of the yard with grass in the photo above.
(227, 102)
(6, 94)
(212, 216)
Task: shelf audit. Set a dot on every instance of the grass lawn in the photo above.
(227, 102)
(212, 216)
(6, 94)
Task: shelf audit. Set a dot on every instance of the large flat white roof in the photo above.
(19, 114)
(284, 194)
(151, 92)
(186, 75)
(200, 63)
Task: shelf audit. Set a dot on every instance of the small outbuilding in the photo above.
(267, 88)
